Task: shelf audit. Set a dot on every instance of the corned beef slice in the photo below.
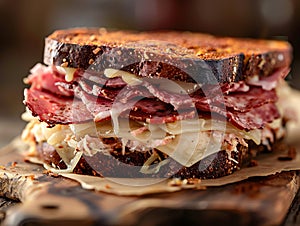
(56, 101)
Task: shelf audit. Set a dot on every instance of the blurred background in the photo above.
(25, 23)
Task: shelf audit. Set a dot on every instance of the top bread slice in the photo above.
(181, 56)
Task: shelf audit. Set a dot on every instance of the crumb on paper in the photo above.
(46, 171)
(53, 174)
(50, 173)
(31, 177)
(177, 182)
(3, 167)
(13, 164)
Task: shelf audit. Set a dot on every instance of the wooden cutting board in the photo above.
(59, 201)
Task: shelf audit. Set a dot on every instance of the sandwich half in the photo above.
(154, 104)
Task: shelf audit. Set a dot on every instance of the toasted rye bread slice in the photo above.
(182, 56)
(130, 163)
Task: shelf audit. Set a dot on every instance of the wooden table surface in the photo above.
(4, 205)
(292, 218)
(9, 128)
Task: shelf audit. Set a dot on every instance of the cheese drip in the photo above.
(163, 84)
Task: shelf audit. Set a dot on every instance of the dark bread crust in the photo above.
(173, 55)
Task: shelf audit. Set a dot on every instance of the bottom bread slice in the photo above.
(131, 163)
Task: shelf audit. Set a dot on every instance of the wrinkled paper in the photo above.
(267, 164)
